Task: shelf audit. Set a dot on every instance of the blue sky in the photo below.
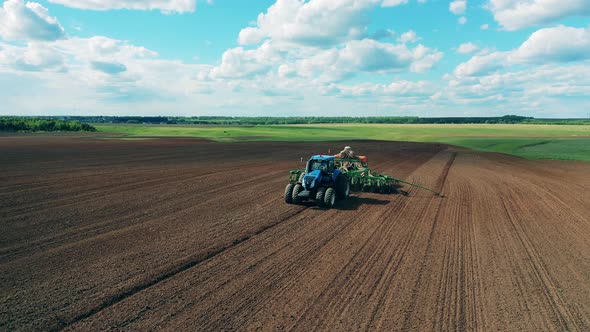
(295, 57)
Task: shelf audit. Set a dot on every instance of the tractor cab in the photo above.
(320, 171)
(325, 164)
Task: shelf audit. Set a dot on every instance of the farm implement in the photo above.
(326, 178)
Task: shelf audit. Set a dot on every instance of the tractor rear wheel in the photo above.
(289, 193)
(319, 196)
(330, 198)
(296, 190)
(343, 187)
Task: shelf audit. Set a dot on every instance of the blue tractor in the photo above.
(321, 181)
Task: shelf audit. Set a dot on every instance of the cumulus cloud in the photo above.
(462, 20)
(370, 56)
(321, 39)
(400, 88)
(545, 87)
(34, 57)
(519, 14)
(333, 64)
(458, 7)
(482, 64)
(467, 48)
(484, 26)
(393, 3)
(28, 21)
(557, 44)
(240, 63)
(166, 6)
(408, 37)
(320, 23)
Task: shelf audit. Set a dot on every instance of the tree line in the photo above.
(238, 120)
(76, 123)
(36, 124)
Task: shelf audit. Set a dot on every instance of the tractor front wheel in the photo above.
(330, 198)
(319, 196)
(289, 193)
(295, 195)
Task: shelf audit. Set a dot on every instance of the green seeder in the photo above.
(362, 178)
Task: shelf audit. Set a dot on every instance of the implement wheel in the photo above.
(289, 193)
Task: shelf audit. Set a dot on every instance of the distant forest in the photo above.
(38, 124)
(81, 123)
(228, 120)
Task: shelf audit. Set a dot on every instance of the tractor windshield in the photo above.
(322, 165)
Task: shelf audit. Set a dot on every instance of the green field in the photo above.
(567, 142)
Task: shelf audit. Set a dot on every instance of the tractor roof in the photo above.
(322, 157)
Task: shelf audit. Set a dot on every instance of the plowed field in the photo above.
(173, 234)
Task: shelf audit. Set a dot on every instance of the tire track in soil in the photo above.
(560, 310)
(358, 274)
(441, 181)
(114, 189)
(427, 219)
(357, 264)
(123, 221)
(440, 184)
(138, 288)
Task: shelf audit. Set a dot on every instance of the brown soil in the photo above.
(179, 234)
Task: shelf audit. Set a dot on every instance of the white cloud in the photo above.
(393, 3)
(30, 21)
(467, 48)
(319, 23)
(166, 6)
(484, 26)
(458, 7)
(462, 20)
(398, 89)
(101, 49)
(240, 63)
(482, 64)
(518, 14)
(322, 40)
(371, 56)
(559, 43)
(546, 89)
(34, 56)
(327, 65)
(250, 35)
(408, 37)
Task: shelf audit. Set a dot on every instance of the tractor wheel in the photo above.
(289, 193)
(296, 190)
(319, 196)
(343, 187)
(330, 198)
